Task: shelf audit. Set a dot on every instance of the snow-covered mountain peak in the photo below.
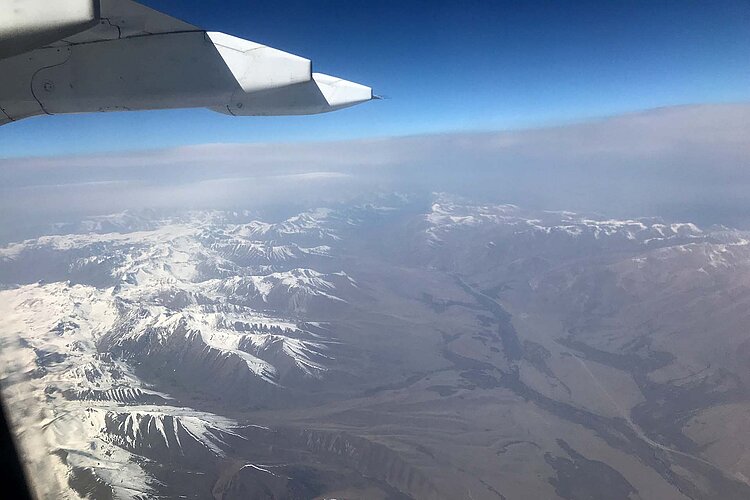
(447, 216)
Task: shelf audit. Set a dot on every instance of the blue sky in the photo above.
(446, 66)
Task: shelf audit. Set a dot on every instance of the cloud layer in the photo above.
(690, 162)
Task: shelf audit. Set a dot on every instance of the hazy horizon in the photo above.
(686, 162)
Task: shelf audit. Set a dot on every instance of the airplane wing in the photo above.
(124, 19)
(78, 56)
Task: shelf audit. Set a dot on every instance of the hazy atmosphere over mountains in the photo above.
(686, 162)
(548, 313)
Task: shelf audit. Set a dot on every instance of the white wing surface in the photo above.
(119, 55)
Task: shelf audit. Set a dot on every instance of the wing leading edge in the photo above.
(125, 56)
